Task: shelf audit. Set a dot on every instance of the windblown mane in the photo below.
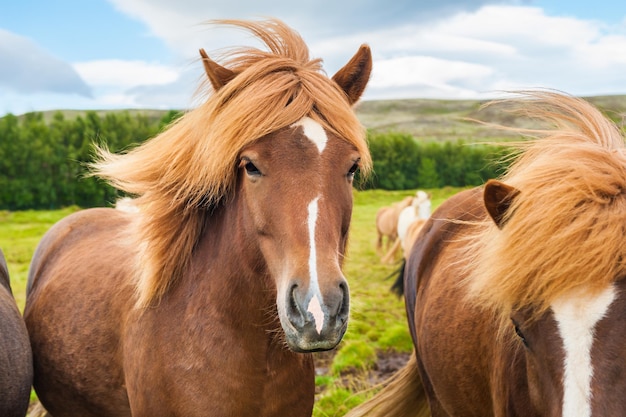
(565, 231)
(190, 169)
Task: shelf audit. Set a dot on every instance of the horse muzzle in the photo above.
(315, 321)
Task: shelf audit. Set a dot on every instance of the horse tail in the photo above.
(398, 285)
(402, 396)
(379, 241)
(388, 258)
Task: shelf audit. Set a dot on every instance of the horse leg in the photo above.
(379, 242)
(391, 254)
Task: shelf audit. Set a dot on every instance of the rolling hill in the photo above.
(427, 119)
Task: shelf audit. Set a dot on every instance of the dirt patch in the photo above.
(387, 363)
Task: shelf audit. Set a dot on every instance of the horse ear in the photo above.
(353, 77)
(218, 75)
(498, 197)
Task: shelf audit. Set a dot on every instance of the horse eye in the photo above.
(519, 334)
(251, 169)
(353, 170)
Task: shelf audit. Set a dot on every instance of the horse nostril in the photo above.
(293, 309)
(344, 308)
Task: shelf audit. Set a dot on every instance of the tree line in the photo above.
(42, 163)
(402, 162)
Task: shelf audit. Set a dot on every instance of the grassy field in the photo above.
(19, 234)
(377, 322)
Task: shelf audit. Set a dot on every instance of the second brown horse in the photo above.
(516, 292)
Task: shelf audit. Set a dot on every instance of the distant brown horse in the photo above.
(16, 364)
(387, 223)
(417, 211)
(205, 299)
(516, 292)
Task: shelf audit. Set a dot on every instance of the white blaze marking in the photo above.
(316, 309)
(577, 316)
(315, 304)
(314, 131)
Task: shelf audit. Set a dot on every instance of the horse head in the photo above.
(573, 344)
(295, 185)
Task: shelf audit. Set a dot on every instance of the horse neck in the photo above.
(509, 380)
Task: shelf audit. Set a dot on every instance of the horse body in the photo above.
(81, 321)
(412, 232)
(198, 304)
(16, 368)
(418, 211)
(480, 369)
(515, 291)
(387, 222)
(187, 334)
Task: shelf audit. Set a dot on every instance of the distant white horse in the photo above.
(127, 205)
(418, 210)
(387, 223)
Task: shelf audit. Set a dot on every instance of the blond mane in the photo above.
(565, 231)
(191, 167)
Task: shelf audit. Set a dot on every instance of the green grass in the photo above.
(20, 232)
(377, 321)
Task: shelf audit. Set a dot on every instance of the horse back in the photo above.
(447, 334)
(440, 229)
(91, 236)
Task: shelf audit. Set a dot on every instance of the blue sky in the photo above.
(100, 54)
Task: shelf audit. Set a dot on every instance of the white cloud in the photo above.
(27, 68)
(457, 49)
(499, 47)
(472, 54)
(427, 71)
(126, 74)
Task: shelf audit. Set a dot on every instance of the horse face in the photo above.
(576, 361)
(297, 188)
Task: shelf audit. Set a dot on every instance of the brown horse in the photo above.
(16, 363)
(515, 292)
(387, 223)
(206, 297)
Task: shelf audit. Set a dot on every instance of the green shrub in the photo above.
(401, 162)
